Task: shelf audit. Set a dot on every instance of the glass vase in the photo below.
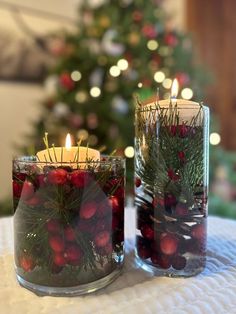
(171, 188)
(68, 224)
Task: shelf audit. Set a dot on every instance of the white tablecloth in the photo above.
(136, 291)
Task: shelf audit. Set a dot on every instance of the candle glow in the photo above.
(68, 141)
(174, 91)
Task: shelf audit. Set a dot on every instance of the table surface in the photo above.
(136, 291)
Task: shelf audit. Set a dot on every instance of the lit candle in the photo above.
(71, 154)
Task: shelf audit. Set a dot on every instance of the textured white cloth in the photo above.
(136, 291)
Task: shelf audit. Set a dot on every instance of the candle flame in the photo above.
(174, 89)
(68, 141)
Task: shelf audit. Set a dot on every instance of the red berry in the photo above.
(103, 209)
(88, 210)
(114, 203)
(80, 179)
(147, 232)
(169, 200)
(102, 238)
(161, 260)
(69, 233)
(27, 190)
(172, 175)
(179, 262)
(41, 180)
(73, 254)
(138, 182)
(27, 263)
(57, 176)
(181, 210)
(168, 243)
(199, 231)
(120, 193)
(181, 156)
(17, 188)
(53, 226)
(173, 130)
(157, 202)
(56, 243)
(19, 176)
(144, 252)
(34, 201)
(183, 130)
(59, 259)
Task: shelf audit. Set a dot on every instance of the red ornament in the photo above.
(73, 254)
(80, 179)
(53, 226)
(88, 210)
(181, 156)
(27, 190)
(17, 188)
(138, 182)
(179, 262)
(172, 175)
(57, 176)
(137, 16)
(149, 31)
(66, 82)
(170, 39)
(59, 259)
(114, 203)
(27, 263)
(147, 232)
(168, 244)
(102, 238)
(199, 231)
(56, 243)
(69, 233)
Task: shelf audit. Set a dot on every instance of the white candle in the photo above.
(68, 154)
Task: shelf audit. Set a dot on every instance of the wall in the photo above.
(20, 102)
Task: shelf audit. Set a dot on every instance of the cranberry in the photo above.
(17, 188)
(27, 190)
(181, 210)
(114, 203)
(148, 232)
(27, 263)
(88, 210)
(173, 130)
(169, 200)
(57, 176)
(138, 182)
(80, 178)
(73, 254)
(172, 175)
(59, 259)
(168, 244)
(34, 201)
(157, 202)
(56, 243)
(179, 262)
(41, 180)
(183, 130)
(162, 260)
(69, 233)
(102, 238)
(53, 226)
(144, 252)
(181, 156)
(20, 176)
(199, 231)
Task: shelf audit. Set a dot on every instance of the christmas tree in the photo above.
(120, 48)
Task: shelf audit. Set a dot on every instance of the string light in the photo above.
(159, 76)
(114, 71)
(187, 93)
(123, 64)
(167, 83)
(215, 138)
(76, 76)
(95, 91)
(129, 152)
(140, 85)
(81, 97)
(152, 44)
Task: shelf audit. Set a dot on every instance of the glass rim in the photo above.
(105, 159)
(155, 107)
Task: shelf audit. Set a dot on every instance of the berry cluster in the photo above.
(68, 219)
